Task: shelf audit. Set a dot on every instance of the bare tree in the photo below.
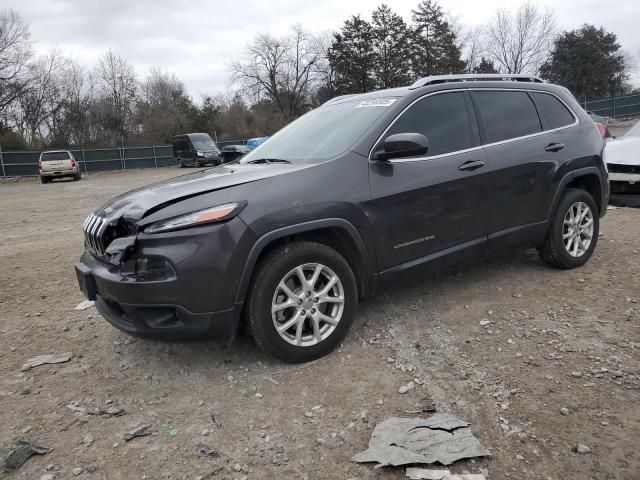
(473, 47)
(117, 84)
(78, 89)
(519, 42)
(281, 69)
(15, 54)
(40, 100)
(163, 106)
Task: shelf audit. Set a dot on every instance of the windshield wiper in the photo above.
(269, 160)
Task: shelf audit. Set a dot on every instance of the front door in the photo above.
(431, 212)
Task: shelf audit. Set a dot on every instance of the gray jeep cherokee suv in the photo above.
(362, 193)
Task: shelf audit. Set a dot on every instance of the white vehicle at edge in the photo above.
(622, 157)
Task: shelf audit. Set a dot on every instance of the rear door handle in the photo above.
(471, 165)
(554, 147)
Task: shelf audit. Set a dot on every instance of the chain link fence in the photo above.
(24, 163)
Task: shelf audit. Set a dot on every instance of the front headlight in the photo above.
(209, 215)
(199, 153)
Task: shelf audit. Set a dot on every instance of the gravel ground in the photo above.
(537, 360)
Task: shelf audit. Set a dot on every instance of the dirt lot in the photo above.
(556, 340)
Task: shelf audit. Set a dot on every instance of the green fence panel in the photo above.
(21, 164)
(615, 106)
(24, 163)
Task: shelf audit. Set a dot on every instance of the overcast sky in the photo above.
(197, 39)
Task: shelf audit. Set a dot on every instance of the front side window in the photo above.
(507, 114)
(442, 118)
(556, 112)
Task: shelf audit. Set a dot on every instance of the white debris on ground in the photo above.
(440, 438)
(414, 473)
(46, 359)
(85, 305)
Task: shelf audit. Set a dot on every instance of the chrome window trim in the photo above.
(576, 121)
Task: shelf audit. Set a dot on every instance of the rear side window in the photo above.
(557, 114)
(507, 114)
(442, 118)
(48, 156)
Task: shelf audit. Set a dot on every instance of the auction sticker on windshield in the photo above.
(376, 102)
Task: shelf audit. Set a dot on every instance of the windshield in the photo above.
(202, 142)
(322, 133)
(634, 132)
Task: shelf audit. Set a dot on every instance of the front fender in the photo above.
(309, 226)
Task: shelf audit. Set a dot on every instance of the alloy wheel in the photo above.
(307, 305)
(577, 229)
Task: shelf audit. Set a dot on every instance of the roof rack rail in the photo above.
(435, 79)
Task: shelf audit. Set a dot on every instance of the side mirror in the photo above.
(402, 145)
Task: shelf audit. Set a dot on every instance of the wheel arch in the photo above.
(337, 233)
(588, 179)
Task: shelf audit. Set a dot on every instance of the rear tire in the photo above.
(573, 233)
(77, 177)
(318, 320)
(44, 179)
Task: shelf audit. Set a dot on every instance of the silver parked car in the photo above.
(56, 164)
(623, 161)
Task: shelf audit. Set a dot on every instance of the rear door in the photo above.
(522, 169)
(431, 212)
(54, 162)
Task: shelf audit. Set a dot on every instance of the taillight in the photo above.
(602, 129)
(39, 166)
(73, 162)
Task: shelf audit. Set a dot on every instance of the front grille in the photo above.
(618, 168)
(94, 227)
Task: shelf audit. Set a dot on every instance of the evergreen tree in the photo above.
(436, 51)
(391, 47)
(588, 62)
(353, 57)
(485, 66)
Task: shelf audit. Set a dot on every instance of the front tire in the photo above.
(302, 303)
(574, 231)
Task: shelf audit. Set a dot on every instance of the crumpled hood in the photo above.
(138, 203)
(624, 151)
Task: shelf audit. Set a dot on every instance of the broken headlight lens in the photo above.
(215, 214)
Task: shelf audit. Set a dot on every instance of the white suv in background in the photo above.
(57, 163)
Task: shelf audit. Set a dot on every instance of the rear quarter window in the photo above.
(507, 114)
(556, 113)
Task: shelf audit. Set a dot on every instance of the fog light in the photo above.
(153, 268)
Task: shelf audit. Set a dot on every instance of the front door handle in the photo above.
(471, 165)
(554, 147)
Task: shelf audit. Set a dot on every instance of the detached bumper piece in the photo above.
(86, 282)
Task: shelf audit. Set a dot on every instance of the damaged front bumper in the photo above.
(170, 285)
